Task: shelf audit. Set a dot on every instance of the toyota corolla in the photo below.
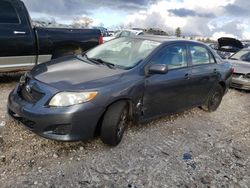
(127, 79)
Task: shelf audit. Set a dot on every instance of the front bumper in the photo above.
(65, 124)
(240, 83)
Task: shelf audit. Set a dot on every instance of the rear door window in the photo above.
(8, 14)
(200, 55)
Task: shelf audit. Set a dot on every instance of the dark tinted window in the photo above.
(200, 55)
(7, 13)
(173, 56)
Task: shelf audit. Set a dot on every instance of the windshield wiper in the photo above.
(233, 58)
(84, 57)
(89, 59)
(100, 61)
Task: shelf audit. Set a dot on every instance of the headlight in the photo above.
(71, 98)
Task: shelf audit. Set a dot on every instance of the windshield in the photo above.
(123, 53)
(243, 55)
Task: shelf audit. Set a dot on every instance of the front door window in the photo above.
(174, 56)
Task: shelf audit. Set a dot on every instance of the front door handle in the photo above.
(215, 70)
(19, 32)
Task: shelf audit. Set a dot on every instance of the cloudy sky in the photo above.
(213, 18)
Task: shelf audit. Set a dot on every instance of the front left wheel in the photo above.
(114, 123)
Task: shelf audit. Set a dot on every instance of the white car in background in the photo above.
(124, 33)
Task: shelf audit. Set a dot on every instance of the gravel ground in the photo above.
(191, 149)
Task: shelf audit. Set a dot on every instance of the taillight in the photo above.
(100, 39)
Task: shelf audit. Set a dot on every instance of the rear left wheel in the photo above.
(114, 123)
(214, 99)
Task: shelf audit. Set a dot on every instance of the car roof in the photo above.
(132, 31)
(164, 39)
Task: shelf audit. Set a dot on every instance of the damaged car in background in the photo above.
(127, 79)
(241, 64)
(227, 46)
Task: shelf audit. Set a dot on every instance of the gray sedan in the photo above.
(127, 79)
(241, 64)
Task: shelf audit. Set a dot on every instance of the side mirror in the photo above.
(158, 69)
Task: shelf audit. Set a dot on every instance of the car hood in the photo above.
(226, 41)
(240, 66)
(72, 73)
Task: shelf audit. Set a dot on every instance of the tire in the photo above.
(214, 99)
(114, 123)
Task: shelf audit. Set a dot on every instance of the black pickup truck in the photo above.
(22, 46)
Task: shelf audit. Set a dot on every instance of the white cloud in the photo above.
(195, 17)
(217, 35)
(204, 18)
(246, 35)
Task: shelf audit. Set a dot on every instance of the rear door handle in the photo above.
(215, 70)
(187, 76)
(19, 32)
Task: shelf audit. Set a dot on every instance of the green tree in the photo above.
(208, 40)
(178, 32)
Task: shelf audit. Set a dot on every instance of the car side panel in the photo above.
(51, 39)
(203, 78)
(166, 94)
(17, 42)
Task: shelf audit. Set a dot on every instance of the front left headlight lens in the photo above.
(71, 98)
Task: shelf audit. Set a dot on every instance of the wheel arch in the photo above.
(223, 85)
(131, 111)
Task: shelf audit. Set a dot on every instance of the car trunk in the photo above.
(227, 44)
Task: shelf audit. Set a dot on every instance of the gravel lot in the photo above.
(192, 149)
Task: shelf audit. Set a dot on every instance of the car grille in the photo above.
(30, 92)
(247, 76)
(237, 75)
(31, 96)
(26, 122)
(236, 85)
